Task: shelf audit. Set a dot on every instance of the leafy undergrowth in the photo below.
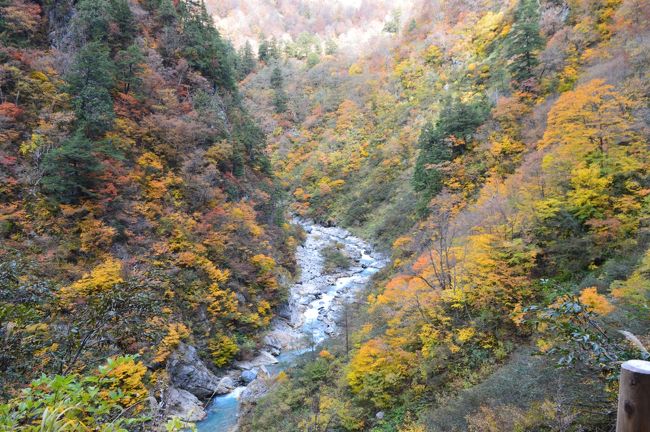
(524, 393)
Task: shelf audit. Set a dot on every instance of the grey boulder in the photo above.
(248, 375)
(263, 358)
(188, 372)
(183, 404)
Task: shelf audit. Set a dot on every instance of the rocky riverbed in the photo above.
(315, 303)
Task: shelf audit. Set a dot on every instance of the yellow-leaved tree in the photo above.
(176, 333)
(594, 158)
(90, 304)
(379, 369)
(496, 275)
(592, 123)
(100, 279)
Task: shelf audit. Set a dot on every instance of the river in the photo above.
(311, 315)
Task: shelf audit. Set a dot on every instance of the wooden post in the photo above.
(634, 397)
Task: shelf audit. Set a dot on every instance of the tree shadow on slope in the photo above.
(529, 392)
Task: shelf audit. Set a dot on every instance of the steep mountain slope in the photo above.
(497, 150)
(501, 150)
(137, 210)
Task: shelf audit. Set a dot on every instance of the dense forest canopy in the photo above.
(137, 209)
(499, 151)
(496, 151)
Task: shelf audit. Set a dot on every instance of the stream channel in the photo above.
(309, 318)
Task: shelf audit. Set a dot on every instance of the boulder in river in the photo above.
(188, 372)
(255, 390)
(284, 312)
(226, 385)
(248, 375)
(282, 337)
(183, 404)
(263, 358)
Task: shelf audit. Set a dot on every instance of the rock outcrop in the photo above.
(183, 404)
(282, 337)
(188, 372)
(255, 390)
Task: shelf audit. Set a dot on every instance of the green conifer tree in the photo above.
(524, 41)
(70, 171)
(167, 12)
(280, 97)
(129, 67)
(204, 48)
(448, 139)
(90, 81)
(263, 51)
(127, 27)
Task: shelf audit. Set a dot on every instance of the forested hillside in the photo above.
(496, 151)
(500, 153)
(137, 210)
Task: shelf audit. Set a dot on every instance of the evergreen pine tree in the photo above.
(248, 59)
(331, 47)
(70, 171)
(277, 80)
(433, 150)
(245, 61)
(253, 141)
(263, 51)
(89, 81)
(129, 67)
(203, 47)
(457, 120)
(280, 97)
(167, 12)
(91, 21)
(122, 16)
(274, 49)
(524, 41)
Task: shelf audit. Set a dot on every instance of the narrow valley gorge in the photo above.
(344, 216)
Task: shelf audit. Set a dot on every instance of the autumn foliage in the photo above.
(500, 153)
(137, 210)
(497, 152)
